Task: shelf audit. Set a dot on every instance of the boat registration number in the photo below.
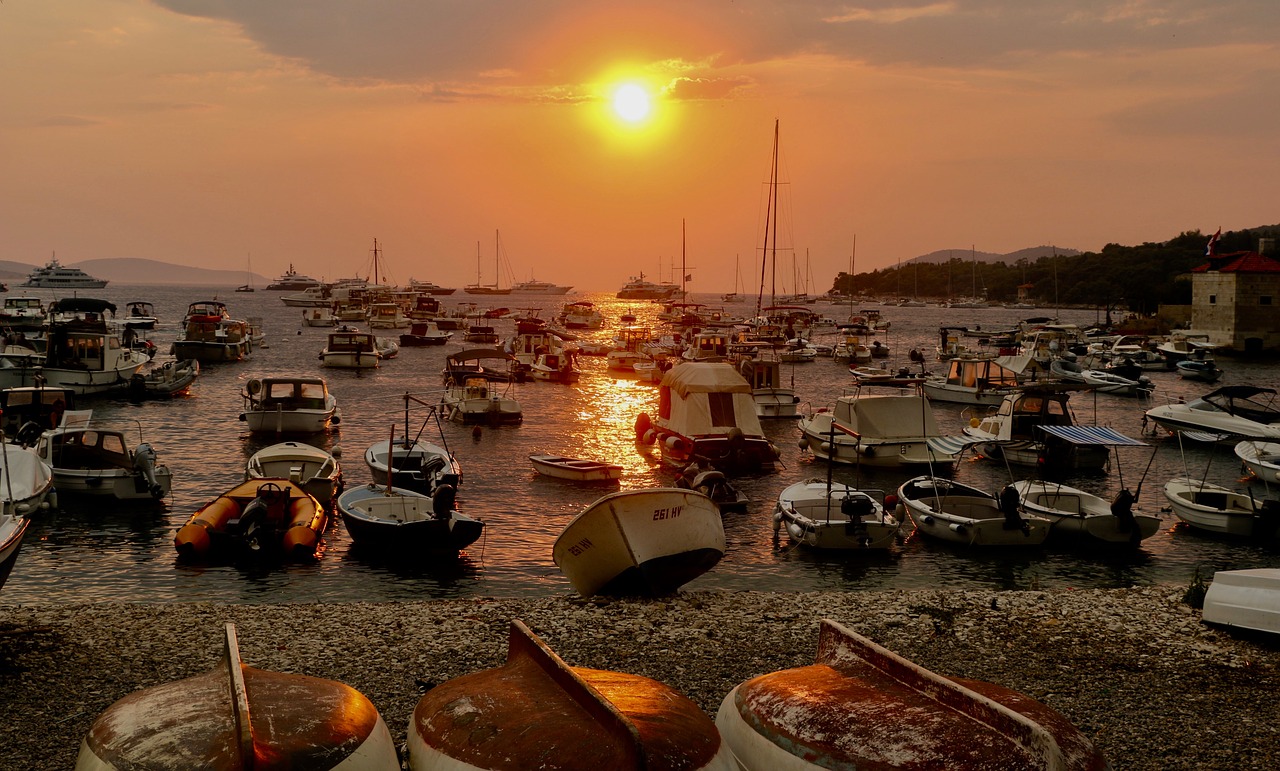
(581, 546)
(668, 513)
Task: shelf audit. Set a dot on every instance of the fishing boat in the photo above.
(973, 380)
(576, 469)
(349, 348)
(163, 380)
(1244, 599)
(319, 317)
(958, 513)
(1261, 458)
(471, 396)
(763, 372)
(422, 333)
(415, 463)
(55, 275)
(387, 315)
(311, 468)
(861, 706)
(821, 514)
(640, 542)
(95, 460)
(257, 516)
(535, 711)
(209, 334)
(82, 353)
(1240, 411)
(706, 411)
(393, 518)
(289, 405)
(140, 314)
(1216, 509)
(883, 423)
(240, 717)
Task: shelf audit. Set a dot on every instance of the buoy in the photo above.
(476, 431)
(974, 422)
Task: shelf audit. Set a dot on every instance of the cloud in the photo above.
(711, 88)
(73, 121)
(892, 14)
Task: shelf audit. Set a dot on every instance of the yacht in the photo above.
(55, 275)
(292, 281)
(534, 286)
(640, 289)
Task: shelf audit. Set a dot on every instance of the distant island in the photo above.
(132, 270)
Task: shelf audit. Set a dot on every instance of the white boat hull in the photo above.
(314, 470)
(120, 484)
(641, 542)
(1077, 513)
(1215, 509)
(1247, 599)
(343, 360)
(866, 450)
(776, 403)
(575, 469)
(288, 421)
(1261, 458)
(947, 512)
(811, 514)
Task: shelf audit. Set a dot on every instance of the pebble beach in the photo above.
(1135, 669)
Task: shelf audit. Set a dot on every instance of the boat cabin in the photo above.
(41, 405)
(90, 448)
(294, 393)
(350, 342)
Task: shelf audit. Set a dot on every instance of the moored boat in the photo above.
(647, 542)
(393, 518)
(25, 483)
(260, 515)
(95, 460)
(861, 706)
(1204, 370)
(1216, 509)
(288, 405)
(55, 275)
(162, 380)
(535, 711)
(828, 515)
(349, 348)
(870, 428)
(209, 334)
(1079, 513)
(1261, 458)
(950, 511)
(311, 468)
(576, 469)
(1242, 411)
(240, 717)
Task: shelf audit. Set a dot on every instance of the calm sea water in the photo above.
(90, 551)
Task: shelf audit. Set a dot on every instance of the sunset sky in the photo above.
(217, 132)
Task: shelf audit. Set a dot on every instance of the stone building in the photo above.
(1235, 299)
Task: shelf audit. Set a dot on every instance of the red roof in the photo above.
(1240, 262)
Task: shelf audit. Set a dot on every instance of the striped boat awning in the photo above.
(1096, 435)
(951, 445)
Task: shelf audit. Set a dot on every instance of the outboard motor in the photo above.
(253, 518)
(1010, 501)
(144, 466)
(1122, 510)
(856, 508)
(443, 501)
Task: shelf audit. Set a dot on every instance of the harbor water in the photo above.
(90, 550)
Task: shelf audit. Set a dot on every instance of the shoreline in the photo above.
(1134, 669)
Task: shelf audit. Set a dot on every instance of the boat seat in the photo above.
(295, 474)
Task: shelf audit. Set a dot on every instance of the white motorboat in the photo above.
(1244, 599)
(477, 400)
(317, 296)
(25, 482)
(1239, 411)
(349, 348)
(1076, 512)
(311, 468)
(763, 372)
(289, 405)
(829, 515)
(319, 317)
(423, 333)
(1070, 371)
(415, 464)
(1182, 346)
(534, 286)
(576, 469)
(12, 529)
(889, 428)
(706, 411)
(140, 315)
(209, 334)
(387, 316)
(1217, 509)
(958, 513)
(648, 542)
(971, 380)
(1205, 370)
(95, 460)
(55, 275)
(581, 315)
(1261, 458)
(1019, 431)
(82, 353)
(21, 313)
(162, 380)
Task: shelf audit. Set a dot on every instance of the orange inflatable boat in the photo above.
(261, 514)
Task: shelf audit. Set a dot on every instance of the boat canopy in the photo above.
(886, 416)
(1092, 435)
(707, 399)
(705, 377)
(81, 305)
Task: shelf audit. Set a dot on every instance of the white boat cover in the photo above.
(885, 416)
(692, 410)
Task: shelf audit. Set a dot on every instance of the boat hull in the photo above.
(1261, 458)
(648, 542)
(811, 513)
(1215, 509)
(207, 352)
(1244, 599)
(288, 421)
(575, 469)
(956, 513)
(121, 484)
(1076, 513)
(12, 530)
(406, 520)
(343, 360)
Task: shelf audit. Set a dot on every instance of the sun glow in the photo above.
(631, 102)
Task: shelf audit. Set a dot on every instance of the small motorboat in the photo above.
(950, 511)
(25, 485)
(645, 542)
(1076, 512)
(1217, 509)
(311, 468)
(415, 464)
(234, 714)
(289, 405)
(406, 520)
(349, 348)
(862, 706)
(1069, 371)
(828, 515)
(423, 333)
(1035, 427)
(89, 459)
(1261, 458)
(481, 333)
(164, 380)
(576, 469)
(139, 314)
(1241, 411)
(535, 711)
(260, 515)
(702, 477)
(1204, 370)
(1244, 599)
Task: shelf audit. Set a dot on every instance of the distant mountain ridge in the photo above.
(134, 270)
(942, 256)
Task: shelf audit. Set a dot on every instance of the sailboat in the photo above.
(974, 300)
(915, 301)
(737, 283)
(247, 287)
(489, 289)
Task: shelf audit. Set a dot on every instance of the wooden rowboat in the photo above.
(238, 717)
(536, 711)
(862, 706)
(646, 542)
(576, 469)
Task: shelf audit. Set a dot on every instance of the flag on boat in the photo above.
(1213, 241)
(688, 277)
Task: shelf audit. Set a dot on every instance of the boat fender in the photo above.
(825, 447)
(870, 452)
(649, 437)
(777, 521)
(795, 531)
(974, 422)
(958, 528)
(644, 424)
(674, 443)
(254, 386)
(891, 501)
(928, 520)
(443, 501)
(803, 443)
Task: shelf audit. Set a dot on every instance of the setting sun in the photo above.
(631, 103)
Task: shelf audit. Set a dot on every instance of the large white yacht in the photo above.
(534, 286)
(640, 289)
(293, 281)
(55, 275)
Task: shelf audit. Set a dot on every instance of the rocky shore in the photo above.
(1135, 669)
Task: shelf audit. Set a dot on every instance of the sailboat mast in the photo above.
(683, 274)
(770, 224)
(375, 262)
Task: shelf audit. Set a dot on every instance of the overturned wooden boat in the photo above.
(575, 469)
(536, 711)
(1244, 599)
(863, 706)
(240, 717)
(647, 542)
(257, 515)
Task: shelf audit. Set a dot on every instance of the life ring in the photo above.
(254, 386)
